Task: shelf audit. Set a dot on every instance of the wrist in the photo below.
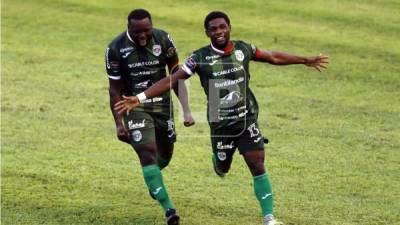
(141, 97)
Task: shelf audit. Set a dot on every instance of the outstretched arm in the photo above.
(163, 85)
(280, 58)
(182, 94)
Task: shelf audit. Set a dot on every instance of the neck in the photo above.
(224, 50)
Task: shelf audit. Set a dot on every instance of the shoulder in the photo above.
(241, 44)
(117, 42)
(159, 33)
(245, 46)
(203, 51)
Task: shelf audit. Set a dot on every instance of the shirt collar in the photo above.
(129, 37)
(227, 50)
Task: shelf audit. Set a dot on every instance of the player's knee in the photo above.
(257, 168)
(146, 154)
(163, 162)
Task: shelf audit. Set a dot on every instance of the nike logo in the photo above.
(213, 62)
(157, 191)
(257, 140)
(126, 55)
(266, 196)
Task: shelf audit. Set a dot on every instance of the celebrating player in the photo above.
(223, 67)
(135, 60)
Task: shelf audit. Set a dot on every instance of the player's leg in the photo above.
(223, 147)
(251, 146)
(166, 137)
(142, 138)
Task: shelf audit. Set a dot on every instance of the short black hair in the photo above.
(139, 14)
(214, 15)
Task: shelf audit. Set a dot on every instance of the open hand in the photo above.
(317, 62)
(126, 104)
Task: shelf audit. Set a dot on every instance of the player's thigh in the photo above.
(223, 145)
(165, 133)
(251, 146)
(141, 129)
(251, 138)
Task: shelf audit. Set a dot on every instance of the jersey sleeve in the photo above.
(192, 63)
(253, 51)
(171, 48)
(112, 64)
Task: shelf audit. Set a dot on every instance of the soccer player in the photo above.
(135, 60)
(223, 67)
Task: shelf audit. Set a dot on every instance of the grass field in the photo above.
(334, 156)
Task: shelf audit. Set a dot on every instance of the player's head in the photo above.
(140, 26)
(218, 28)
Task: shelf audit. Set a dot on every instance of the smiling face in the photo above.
(218, 30)
(140, 31)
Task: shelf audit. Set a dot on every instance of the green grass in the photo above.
(334, 154)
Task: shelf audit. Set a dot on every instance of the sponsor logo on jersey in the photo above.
(127, 49)
(144, 63)
(157, 50)
(156, 99)
(239, 55)
(227, 83)
(143, 84)
(213, 62)
(221, 146)
(231, 99)
(228, 71)
(132, 125)
(124, 56)
(221, 156)
(240, 115)
(136, 135)
(230, 110)
(143, 73)
(211, 57)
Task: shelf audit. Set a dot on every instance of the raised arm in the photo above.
(281, 58)
(163, 85)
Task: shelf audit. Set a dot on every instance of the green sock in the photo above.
(154, 181)
(162, 162)
(263, 191)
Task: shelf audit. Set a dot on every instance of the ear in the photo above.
(206, 32)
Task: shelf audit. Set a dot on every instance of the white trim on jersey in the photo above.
(217, 50)
(187, 70)
(129, 37)
(114, 77)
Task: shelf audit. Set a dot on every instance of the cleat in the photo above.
(172, 217)
(270, 220)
